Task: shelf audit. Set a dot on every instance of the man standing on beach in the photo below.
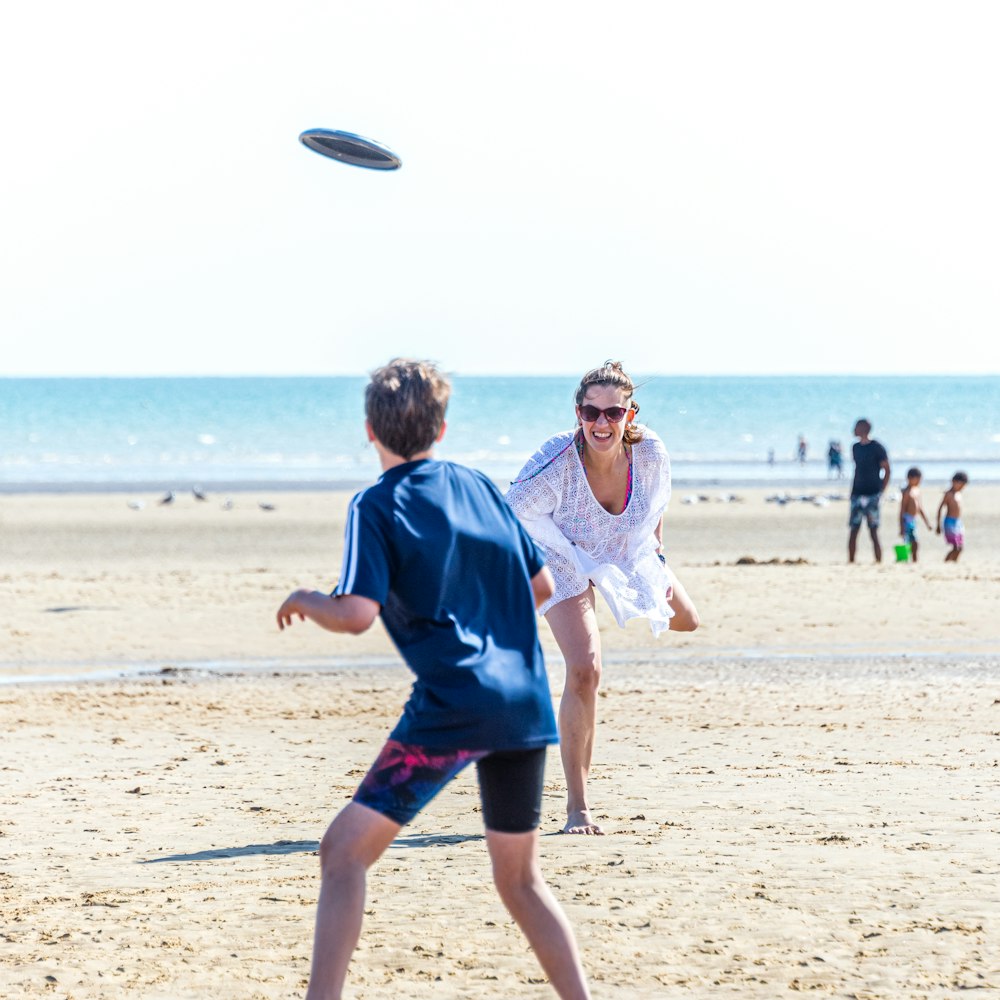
(871, 477)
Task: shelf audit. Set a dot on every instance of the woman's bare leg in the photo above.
(574, 626)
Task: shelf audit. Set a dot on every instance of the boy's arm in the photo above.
(923, 513)
(347, 613)
(542, 586)
(941, 506)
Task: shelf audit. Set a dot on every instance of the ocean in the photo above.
(172, 433)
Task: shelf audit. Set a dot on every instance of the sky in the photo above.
(694, 188)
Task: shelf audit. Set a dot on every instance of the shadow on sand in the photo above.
(310, 846)
(435, 839)
(278, 847)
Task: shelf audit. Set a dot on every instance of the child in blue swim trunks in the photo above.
(910, 508)
(433, 549)
(951, 508)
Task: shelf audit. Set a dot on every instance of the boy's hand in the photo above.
(289, 609)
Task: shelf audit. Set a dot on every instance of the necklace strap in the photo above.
(580, 445)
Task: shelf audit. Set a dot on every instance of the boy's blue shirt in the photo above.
(435, 544)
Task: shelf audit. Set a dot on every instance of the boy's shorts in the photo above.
(954, 532)
(909, 528)
(864, 508)
(405, 777)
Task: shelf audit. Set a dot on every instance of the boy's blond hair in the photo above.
(405, 403)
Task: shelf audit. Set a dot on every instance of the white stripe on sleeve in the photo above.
(349, 566)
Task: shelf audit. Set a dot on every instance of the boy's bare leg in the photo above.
(524, 892)
(354, 841)
(574, 626)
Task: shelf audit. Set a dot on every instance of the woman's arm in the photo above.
(532, 500)
(543, 586)
(537, 491)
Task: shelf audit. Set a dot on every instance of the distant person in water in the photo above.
(801, 449)
(871, 477)
(835, 461)
(910, 508)
(951, 507)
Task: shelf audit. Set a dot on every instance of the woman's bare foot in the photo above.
(580, 822)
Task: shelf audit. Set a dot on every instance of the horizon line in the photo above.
(502, 374)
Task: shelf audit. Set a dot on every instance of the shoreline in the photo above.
(72, 673)
(788, 483)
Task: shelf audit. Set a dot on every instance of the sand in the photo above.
(800, 796)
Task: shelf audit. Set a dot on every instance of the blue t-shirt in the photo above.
(437, 547)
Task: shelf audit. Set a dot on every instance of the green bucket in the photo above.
(902, 553)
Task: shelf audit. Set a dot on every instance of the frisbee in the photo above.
(350, 148)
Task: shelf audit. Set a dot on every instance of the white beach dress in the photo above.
(583, 542)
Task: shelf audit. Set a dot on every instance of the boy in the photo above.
(909, 508)
(433, 548)
(951, 507)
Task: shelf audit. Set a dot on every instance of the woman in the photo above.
(593, 498)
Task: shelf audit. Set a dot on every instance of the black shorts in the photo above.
(405, 777)
(510, 789)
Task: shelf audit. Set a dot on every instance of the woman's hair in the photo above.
(612, 374)
(405, 402)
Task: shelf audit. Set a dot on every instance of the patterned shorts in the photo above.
(405, 777)
(954, 532)
(865, 508)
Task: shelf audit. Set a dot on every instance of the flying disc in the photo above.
(350, 148)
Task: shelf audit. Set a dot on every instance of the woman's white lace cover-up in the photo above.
(583, 542)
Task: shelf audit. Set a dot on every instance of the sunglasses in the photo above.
(613, 414)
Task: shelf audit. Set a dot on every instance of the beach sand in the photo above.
(801, 796)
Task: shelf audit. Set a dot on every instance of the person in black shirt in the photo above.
(871, 477)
